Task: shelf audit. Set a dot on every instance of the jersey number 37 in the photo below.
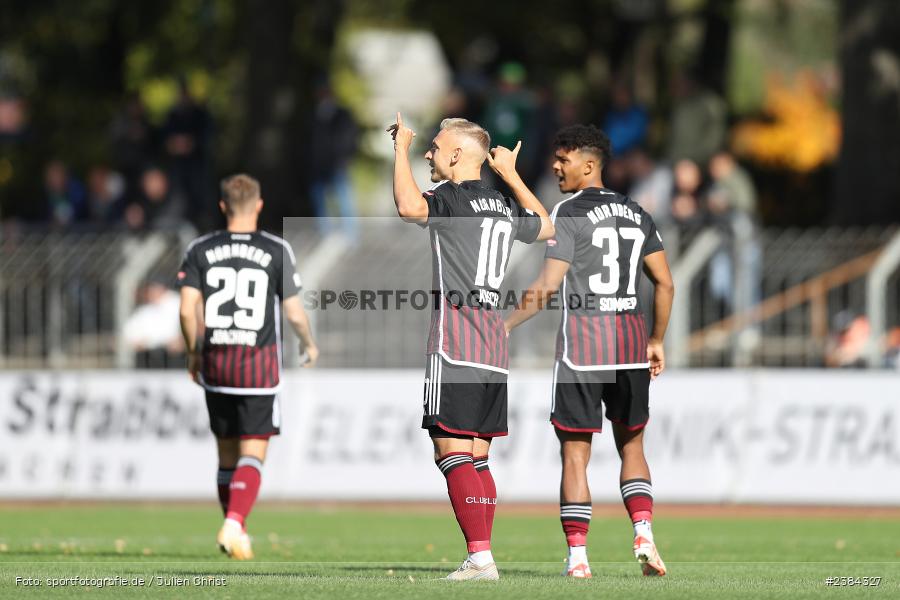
(607, 239)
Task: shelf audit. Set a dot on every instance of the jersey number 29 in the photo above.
(247, 287)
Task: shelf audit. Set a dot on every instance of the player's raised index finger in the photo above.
(518, 147)
(399, 120)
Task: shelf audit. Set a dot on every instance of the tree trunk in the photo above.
(868, 174)
(715, 49)
(279, 97)
(268, 141)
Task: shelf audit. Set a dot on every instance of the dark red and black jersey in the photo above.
(605, 237)
(472, 229)
(243, 278)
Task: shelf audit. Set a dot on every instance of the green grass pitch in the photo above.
(307, 552)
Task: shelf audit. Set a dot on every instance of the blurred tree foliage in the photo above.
(74, 62)
(868, 178)
(256, 64)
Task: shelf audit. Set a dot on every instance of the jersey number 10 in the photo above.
(247, 287)
(495, 237)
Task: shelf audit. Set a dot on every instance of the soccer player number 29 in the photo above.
(247, 287)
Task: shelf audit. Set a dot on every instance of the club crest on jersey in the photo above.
(490, 204)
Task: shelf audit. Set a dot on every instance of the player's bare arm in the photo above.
(297, 317)
(657, 269)
(411, 206)
(538, 293)
(191, 317)
(503, 162)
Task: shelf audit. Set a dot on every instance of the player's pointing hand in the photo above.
(503, 160)
(401, 134)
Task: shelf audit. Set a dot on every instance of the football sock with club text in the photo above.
(244, 488)
(468, 500)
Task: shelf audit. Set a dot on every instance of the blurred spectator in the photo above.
(509, 114)
(153, 331)
(651, 185)
(63, 194)
(335, 137)
(732, 190)
(685, 193)
(13, 117)
(106, 192)
(626, 122)
(698, 121)
(568, 112)
(134, 216)
(131, 139)
(615, 175)
(186, 136)
(455, 104)
(892, 345)
(846, 347)
(736, 270)
(544, 128)
(472, 74)
(158, 206)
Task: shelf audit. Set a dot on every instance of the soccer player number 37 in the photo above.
(247, 287)
(608, 238)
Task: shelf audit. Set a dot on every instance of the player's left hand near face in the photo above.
(312, 355)
(656, 356)
(503, 160)
(195, 363)
(401, 134)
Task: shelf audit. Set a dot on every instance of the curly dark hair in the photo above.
(584, 137)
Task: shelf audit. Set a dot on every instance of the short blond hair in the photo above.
(240, 192)
(473, 131)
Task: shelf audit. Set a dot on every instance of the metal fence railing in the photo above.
(64, 296)
(800, 288)
(752, 298)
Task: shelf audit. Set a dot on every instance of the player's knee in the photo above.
(633, 448)
(575, 459)
(254, 447)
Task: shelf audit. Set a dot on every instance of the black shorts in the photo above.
(578, 397)
(234, 416)
(464, 400)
